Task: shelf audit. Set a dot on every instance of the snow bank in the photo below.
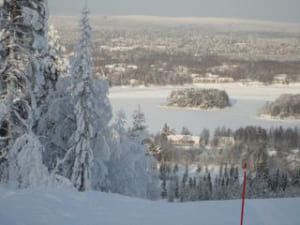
(69, 207)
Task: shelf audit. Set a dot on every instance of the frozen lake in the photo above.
(246, 100)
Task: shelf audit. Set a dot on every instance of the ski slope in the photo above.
(68, 207)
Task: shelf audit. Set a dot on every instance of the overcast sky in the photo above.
(276, 10)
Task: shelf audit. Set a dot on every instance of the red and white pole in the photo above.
(243, 196)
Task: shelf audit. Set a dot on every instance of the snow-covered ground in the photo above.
(68, 207)
(246, 101)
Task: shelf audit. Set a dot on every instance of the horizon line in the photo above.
(179, 17)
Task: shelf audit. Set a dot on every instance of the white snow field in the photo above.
(246, 102)
(69, 207)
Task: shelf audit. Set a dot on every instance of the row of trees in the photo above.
(226, 184)
(286, 106)
(272, 157)
(279, 138)
(282, 139)
(55, 118)
(225, 145)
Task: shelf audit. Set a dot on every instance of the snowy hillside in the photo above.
(64, 207)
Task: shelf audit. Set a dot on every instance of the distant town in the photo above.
(137, 51)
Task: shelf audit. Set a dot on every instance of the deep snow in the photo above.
(69, 207)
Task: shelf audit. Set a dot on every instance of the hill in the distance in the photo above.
(222, 24)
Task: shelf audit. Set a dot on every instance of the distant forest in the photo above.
(157, 68)
(286, 106)
(272, 157)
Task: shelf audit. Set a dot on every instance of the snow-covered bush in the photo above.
(131, 171)
(25, 163)
(57, 124)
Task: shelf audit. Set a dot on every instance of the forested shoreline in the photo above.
(272, 164)
(285, 107)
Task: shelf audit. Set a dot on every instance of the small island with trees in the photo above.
(199, 99)
(285, 107)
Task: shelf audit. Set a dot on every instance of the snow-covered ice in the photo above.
(246, 102)
(69, 207)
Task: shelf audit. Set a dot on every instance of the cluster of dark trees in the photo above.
(285, 106)
(226, 184)
(199, 98)
(265, 70)
(245, 141)
(279, 138)
(267, 153)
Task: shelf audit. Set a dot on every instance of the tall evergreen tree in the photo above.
(55, 62)
(80, 141)
(261, 184)
(166, 131)
(56, 123)
(139, 123)
(85, 161)
(25, 26)
(204, 137)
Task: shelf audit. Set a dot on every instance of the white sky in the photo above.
(276, 10)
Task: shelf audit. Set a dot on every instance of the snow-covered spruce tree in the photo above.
(82, 84)
(88, 145)
(30, 21)
(147, 177)
(32, 35)
(56, 65)
(24, 148)
(4, 52)
(101, 142)
(173, 186)
(261, 185)
(139, 127)
(121, 165)
(5, 23)
(57, 121)
(131, 171)
(20, 82)
(56, 126)
(183, 192)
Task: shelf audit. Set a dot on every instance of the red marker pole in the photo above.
(243, 196)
